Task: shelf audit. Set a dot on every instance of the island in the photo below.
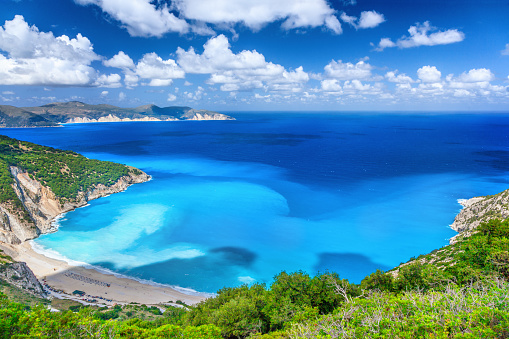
(458, 291)
(54, 114)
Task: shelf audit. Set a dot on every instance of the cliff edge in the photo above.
(43, 205)
(38, 183)
(478, 210)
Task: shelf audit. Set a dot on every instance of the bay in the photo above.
(235, 202)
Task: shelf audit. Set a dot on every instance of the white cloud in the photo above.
(398, 78)
(151, 67)
(196, 95)
(330, 85)
(172, 97)
(40, 58)
(505, 51)
(355, 85)
(160, 82)
(383, 44)
(256, 14)
(463, 93)
(348, 71)
(160, 72)
(332, 23)
(242, 71)
(120, 60)
(420, 35)
(8, 93)
(477, 75)
(429, 74)
(141, 17)
(121, 96)
(131, 80)
(368, 19)
(218, 56)
(104, 94)
(111, 81)
(348, 19)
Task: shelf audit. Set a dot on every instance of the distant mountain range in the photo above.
(78, 112)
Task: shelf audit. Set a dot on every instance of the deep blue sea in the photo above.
(235, 202)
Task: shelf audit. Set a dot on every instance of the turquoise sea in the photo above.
(235, 202)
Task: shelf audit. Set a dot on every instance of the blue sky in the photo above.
(238, 55)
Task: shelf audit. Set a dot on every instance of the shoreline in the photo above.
(108, 289)
(61, 278)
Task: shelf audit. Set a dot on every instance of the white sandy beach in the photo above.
(61, 276)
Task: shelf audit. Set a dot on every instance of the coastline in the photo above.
(61, 278)
(113, 289)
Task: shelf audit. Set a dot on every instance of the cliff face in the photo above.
(43, 206)
(20, 275)
(112, 118)
(481, 209)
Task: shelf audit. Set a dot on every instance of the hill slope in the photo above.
(11, 116)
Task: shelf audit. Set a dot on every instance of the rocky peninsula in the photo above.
(478, 210)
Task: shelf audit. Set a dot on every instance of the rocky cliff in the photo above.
(20, 275)
(113, 118)
(43, 206)
(481, 209)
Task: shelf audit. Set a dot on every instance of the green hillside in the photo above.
(66, 173)
(460, 291)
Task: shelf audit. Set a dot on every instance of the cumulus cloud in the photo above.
(383, 44)
(172, 97)
(238, 71)
(256, 14)
(429, 74)
(150, 67)
(218, 56)
(368, 19)
(120, 60)
(474, 84)
(421, 35)
(330, 85)
(348, 71)
(392, 76)
(477, 75)
(40, 58)
(111, 81)
(141, 17)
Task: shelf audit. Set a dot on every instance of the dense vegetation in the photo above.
(459, 291)
(66, 173)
